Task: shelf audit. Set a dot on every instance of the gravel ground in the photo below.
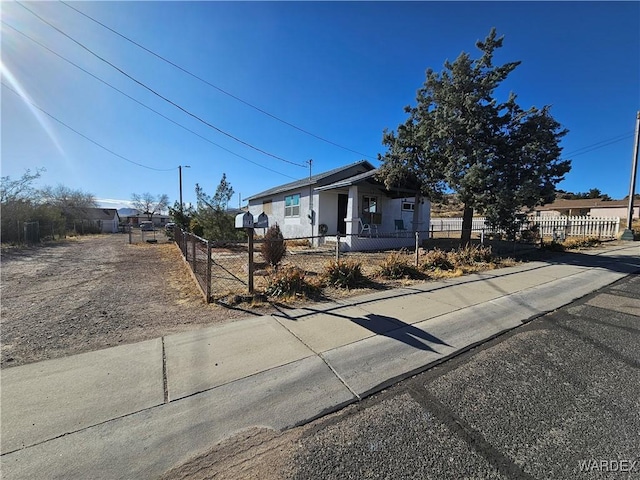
(94, 292)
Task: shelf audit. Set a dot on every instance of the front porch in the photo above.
(376, 242)
(371, 217)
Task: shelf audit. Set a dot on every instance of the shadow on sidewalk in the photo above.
(626, 264)
(615, 263)
(406, 333)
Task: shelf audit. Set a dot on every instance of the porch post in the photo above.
(353, 212)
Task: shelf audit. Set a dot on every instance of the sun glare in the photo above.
(37, 114)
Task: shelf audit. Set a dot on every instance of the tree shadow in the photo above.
(615, 263)
(405, 333)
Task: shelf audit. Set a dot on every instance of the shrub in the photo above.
(395, 266)
(196, 228)
(301, 242)
(273, 246)
(471, 255)
(343, 273)
(436, 259)
(287, 282)
(574, 243)
(531, 234)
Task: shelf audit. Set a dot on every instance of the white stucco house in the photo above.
(347, 201)
(107, 220)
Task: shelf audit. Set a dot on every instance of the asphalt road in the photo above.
(558, 398)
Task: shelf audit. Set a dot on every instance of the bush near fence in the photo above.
(222, 268)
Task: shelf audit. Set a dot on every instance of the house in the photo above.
(348, 201)
(106, 220)
(592, 207)
(158, 219)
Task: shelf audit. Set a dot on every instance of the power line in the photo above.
(143, 85)
(83, 135)
(600, 144)
(215, 86)
(140, 103)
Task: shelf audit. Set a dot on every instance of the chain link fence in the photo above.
(31, 232)
(227, 269)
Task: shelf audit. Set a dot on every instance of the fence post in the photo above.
(193, 252)
(482, 237)
(250, 266)
(432, 226)
(337, 247)
(208, 271)
(417, 248)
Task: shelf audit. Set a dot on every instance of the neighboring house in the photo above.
(592, 207)
(157, 219)
(107, 220)
(342, 201)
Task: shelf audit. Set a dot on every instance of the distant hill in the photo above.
(450, 206)
(125, 212)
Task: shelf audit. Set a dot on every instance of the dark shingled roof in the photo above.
(349, 181)
(313, 180)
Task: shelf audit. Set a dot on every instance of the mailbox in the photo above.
(263, 221)
(244, 220)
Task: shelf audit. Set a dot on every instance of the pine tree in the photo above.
(459, 137)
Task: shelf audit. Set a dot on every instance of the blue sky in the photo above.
(341, 71)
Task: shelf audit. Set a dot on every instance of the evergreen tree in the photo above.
(458, 136)
(211, 214)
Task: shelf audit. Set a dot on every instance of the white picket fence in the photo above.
(557, 227)
(455, 224)
(561, 227)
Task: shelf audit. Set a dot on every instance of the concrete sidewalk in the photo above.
(136, 410)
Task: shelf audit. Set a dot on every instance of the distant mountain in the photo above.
(125, 212)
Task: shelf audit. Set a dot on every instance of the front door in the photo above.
(342, 213)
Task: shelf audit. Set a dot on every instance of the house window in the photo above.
(292, 205)
(369, 209)
(266, 207)
(408, 206)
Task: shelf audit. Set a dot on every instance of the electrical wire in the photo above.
(140, 103)
(143, 85)
(184, 70)
(83, 135)
(600, 144)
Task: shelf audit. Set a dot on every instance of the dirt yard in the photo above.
(94, 292)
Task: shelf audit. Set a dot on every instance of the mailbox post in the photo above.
(245, 220)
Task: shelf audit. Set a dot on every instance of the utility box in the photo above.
(263, 221)
(244, 220)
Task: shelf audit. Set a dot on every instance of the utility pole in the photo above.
(311, 214)
(181, 204)
(628, 232)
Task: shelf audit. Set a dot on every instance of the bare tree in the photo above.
(149, 204)
(71, 203)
